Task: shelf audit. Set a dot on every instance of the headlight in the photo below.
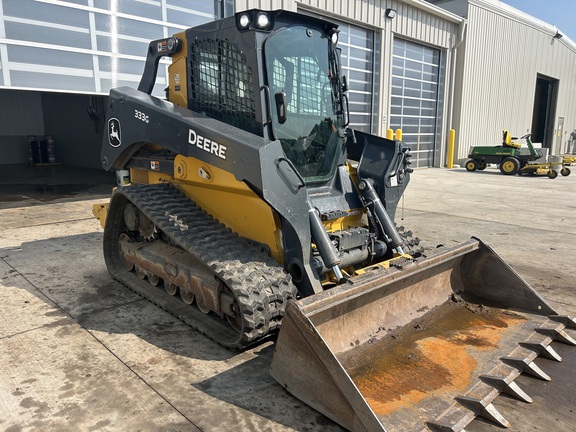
(262, 21)
(334, 37)
(244, 21)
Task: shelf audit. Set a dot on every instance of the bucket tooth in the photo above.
(539, 342)
(544, 350)
(439, 427)
(505, 385)
(557, 334)
(527, 366)
(455, 419)
(564, 319)
(478, 402)
(484, 409)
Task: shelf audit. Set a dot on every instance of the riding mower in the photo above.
(512, 160)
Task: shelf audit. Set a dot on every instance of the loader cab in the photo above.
(289, 88)
(306, 91)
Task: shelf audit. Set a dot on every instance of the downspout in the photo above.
(461, 36)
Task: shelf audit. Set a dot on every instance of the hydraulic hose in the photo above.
(327, 250)
(366, 187)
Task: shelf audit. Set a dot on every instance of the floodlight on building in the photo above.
(390, 13)
(558, 35)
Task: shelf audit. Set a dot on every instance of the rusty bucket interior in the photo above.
(423, 347)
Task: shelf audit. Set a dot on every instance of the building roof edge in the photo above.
(508, 11)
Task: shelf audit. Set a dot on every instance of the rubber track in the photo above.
(260, 285)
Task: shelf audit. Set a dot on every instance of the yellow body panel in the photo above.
(100, 211)
(148, 177)
(354, 219)
(178, 89)
(230, 201)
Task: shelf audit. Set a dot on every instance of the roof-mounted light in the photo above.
(262, 21)
(254, 19)
(334, 36)
(244, 21)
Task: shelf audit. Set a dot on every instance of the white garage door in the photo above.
(415, 101)
(357, 45)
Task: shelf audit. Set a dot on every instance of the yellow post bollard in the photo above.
(450, 155)
(399, 134)
(389, 134)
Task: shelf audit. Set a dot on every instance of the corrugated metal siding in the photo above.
(503, 58)
(242, 5)
(21, 113)
(411, 21)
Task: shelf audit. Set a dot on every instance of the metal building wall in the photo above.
(415, 19)
(504, 53)
(90, 46)
(21, 113)
(242, 5)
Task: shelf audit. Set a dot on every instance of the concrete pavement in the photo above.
(82, 352)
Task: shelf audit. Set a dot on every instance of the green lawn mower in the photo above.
(514, 160)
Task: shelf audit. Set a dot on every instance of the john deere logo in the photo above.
(114, 135)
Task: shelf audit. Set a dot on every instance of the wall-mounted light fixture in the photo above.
(390, 13)
(558, 35)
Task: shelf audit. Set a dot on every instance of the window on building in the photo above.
(77, 47)
(358, 64)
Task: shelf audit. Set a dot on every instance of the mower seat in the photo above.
(507, 140)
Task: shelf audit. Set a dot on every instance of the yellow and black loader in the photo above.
(254, 211)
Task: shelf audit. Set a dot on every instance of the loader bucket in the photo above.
(423, 346)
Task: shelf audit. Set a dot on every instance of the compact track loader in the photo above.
(252, 204)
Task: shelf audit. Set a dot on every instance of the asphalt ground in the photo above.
(80, 352)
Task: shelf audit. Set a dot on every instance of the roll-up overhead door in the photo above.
(357, 45)
(416, 98)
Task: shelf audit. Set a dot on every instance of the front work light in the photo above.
(334, 37)
(244, 21)
(262, 21)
